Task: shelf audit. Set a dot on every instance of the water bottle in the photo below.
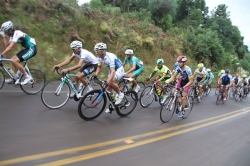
(18, 74)
(11, 71)
(158, 91)
(112, 95)
(131, 85)
(179, 104)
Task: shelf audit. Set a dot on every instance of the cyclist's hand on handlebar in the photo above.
(93, 77)
(56, 67)
(1, 56)
(64, 71)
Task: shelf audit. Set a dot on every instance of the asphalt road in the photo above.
(32, 134)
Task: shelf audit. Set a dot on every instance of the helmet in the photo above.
(100, 46)
(244, 76)
(6, 26)
(129, 52)
(208, 70)
(227, 71)
(200, 65)
(76, 44)
(222, 71)
(176, 64)
(159, 61)
(182, 58)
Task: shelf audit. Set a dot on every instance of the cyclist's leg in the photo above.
(85, 71)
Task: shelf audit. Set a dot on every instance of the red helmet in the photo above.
(182, 58)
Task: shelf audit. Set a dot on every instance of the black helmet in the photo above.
(227, 71)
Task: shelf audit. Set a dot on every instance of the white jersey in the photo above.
(86, 56)
(200, 73)
(110, 60)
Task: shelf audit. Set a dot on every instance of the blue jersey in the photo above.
(226, 79)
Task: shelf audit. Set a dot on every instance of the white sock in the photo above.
(89, 88)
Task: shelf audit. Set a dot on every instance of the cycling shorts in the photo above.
(180, 84)
(138, 71)
(26, 53)
(206, 81)
(87, 69)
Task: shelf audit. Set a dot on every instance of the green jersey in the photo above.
(134, 60)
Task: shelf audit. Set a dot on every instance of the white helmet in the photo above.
(100, 46)
(129, 51)
(6, 26)
(76, 44)
(208, 70)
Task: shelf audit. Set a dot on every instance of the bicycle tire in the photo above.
(167, 109)
(50, 99)
(128, 104)
(147, 93)
(216, 91)
(218, 100)
(231, 94)
(208, 90)
(122, 86)
(141, 84)
(37, 83)
(94, 107)
(241, 94)
(189, 108)
(2, 79)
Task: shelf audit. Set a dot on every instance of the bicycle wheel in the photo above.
(216, 91)
(36, 84)
(92, 104)
(122, 86)
(219, 98)
(241, 94)
(2, 79)
(208, 90)
(141, 84)
(167, 109)
(128, 103)
(55, 94)
(188, 109)
(231, 93)
(147, 96)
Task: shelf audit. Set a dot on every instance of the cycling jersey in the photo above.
(244, 81)
(226, 79)
(185, 74)
(236, 80)
(110, 60)
(199, 73)
(209, 75)
(164, 71)
(22, 38)
(86, 56)
(133, 60)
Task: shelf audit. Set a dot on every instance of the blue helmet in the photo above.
(176, 64)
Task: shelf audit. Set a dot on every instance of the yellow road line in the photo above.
(124, 147)
(82, 148)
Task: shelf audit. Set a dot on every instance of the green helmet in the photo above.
(200, 65)
(244, 76)
(159, 61)
(222, 71)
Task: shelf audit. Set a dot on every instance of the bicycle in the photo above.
(56, 92)
(217, 89)
(149, 94)
(233, 94)
(126, 83)
(174, 104)
(221, 95)
(207, 90)
(32, 87)
(94, 102)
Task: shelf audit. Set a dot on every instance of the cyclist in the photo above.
(19, 37)
(226, 80)
(136, 69)
(219, 74)
(116, 70)
(200, 72)
(236, 82)
(84, 56)
(209, 77)
(165, 74)
(185, 81)
(244, 83)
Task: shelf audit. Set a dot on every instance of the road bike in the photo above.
(151, 93)
(173, 104)
(127, 84)
(217, 89)
(32, 87)
(194, 91)
(94, 102)
(57, 92)
(221, 96)
(234, 92)
(207, 90)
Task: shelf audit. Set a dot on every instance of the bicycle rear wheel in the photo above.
(216, 91)
(55, 94)
(36, 84)
(189, 107)
(167, 109)
(147, 96)
(122, 86)
(92, 104)
(128, 103)
(208, 90)
(2, 79)
(219, 99)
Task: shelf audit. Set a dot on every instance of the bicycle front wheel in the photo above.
(128, 103)
(2, 79)
(92, 104)
(147, 96)
(36, 84)
(167, 109)
(55, 94)
(189, 107)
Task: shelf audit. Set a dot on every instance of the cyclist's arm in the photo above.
(112, 74)
(172, 78)
(132, 68)
(203, 78)
(9, 48)
(190, 82)
(77, 66)
(6, 42)
(152, 74)
(66, 62)
(124, 64)
(98, 69)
